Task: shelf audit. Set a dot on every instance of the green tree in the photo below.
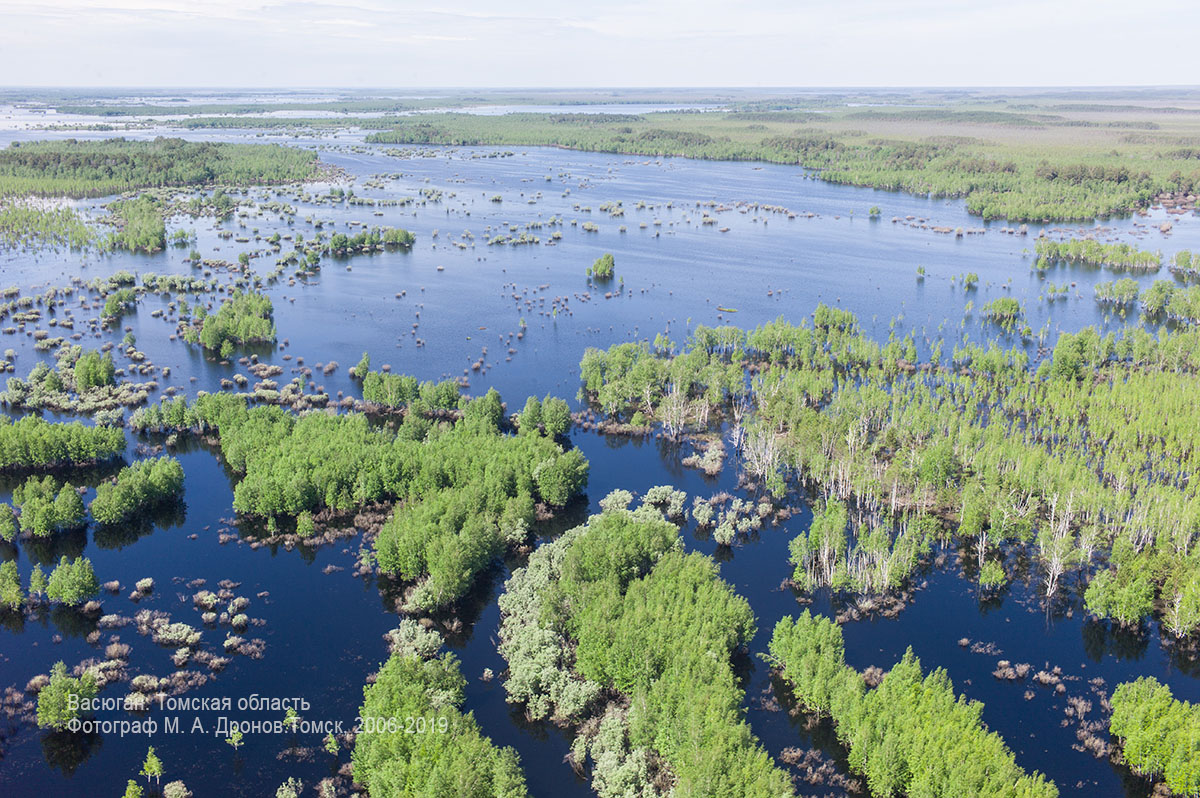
(152, 767)
(60, 701)
(72, 582)
(10, 586)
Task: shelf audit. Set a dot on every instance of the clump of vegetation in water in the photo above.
(72, 582)
(1123, 293)
(908, 735)
(244, 319)
(26, 224)
(827, 406)
(1118, 257)
(137, 488)
(33, 443)
(140, 225)
(615, 607)
(416, 740)
(1004, 311)
(59, 701)
(603, 268)
(82, 381)
(1158, 734)
(1177, 303)
(468, 489)
(47, 506)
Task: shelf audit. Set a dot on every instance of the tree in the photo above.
(556, 416)
(60, 701)
(10, 586)
(152, 768)
(37, 582)
(8, 523)
(132, 790)
(235, 738)
(72, 582)
(561, 478)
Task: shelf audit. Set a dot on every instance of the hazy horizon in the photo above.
(536, 43)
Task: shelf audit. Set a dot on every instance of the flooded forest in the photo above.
(621, 444)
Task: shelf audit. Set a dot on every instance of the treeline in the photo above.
(33, 443)
(416, 741)
(76, 168)
(1160, 736)
(1083, 461)
(614, 630)
(910, 735)
(1118, 257)
(1022, 181)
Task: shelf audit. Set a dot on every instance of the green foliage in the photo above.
(244, 319)
(31, 442)
(603, 268)
(93, 370)
(363, 368)
(1160, 736)
(8, 523)
(1122, 293)
(55, 702)
(11, 595)
(137, 488)
(556, 416)
(48, 507)
(1092, 448)
(72, 582)
(467, 489)
(368, 240)
(140, 223)
(450, 756)
(401, 390)
(653, 623)
(1005, 311)
(1118, 257)
(1126, 595)
(117, 303)
(75, 168)
(562, 477)
(27, 224)
(908, 736)
(152, 767)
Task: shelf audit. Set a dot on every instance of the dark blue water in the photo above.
(323, 631)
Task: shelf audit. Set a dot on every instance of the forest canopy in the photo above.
(78, 168)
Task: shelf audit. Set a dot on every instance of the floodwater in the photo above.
(323, 627)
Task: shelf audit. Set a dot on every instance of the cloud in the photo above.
(622, 42)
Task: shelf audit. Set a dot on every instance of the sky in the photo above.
(617, 43)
